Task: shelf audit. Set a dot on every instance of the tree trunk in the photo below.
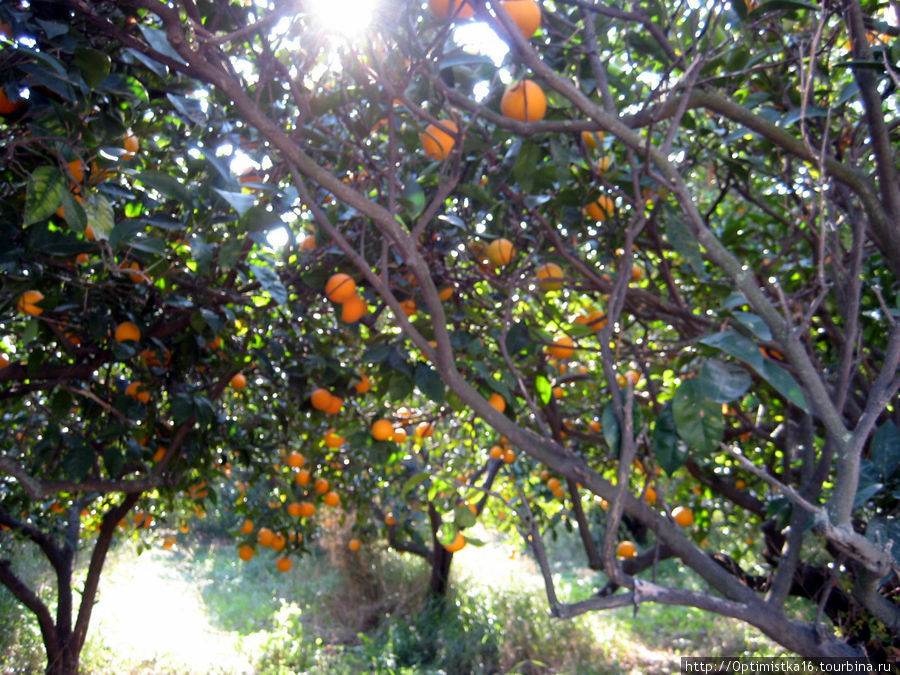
(440, 557)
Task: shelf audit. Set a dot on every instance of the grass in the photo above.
(199, 609)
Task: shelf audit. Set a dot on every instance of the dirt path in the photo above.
(153, 618)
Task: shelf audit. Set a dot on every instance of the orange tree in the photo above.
(665, 237)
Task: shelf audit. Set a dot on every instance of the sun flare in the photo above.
(347, 18)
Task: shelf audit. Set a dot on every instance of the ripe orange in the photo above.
(168, 542)
(496, 452)
(320, 399)
(445, 293)
(509, 456)
(382, 430)
(293, 509)
(353, 545)
(626, 549)
(332, 498)
(683, 516)
(340, 288)
(550, 276)
(603, 164)
(76, 168)
(332, 440)
(364, 384)
(127, 331)
(307, 509)
(295, 460)
(595, 320)
(4, 361)
(592, 139)
(284, 564)
(89, 231)
(436, 142)
(650, 496)
(131, 145)
(302, 477)
(265, 536)
(354, 309)
(457, 9)
(389, 520)
(399, 435)
(409, 307)
(239, 381)
(7, 106)
(136, 391)
(562, 348)
(279, 541)
(425, 430)
(308, 244)
(595, 426)
(524, 101)
(334, 405)
(28, 303)
(321, 485)
(740, 484)
(247, 527)
(600, 209)
(245, 553)
(497, 402)
(526, 14)
(458, 543)
(500, 251)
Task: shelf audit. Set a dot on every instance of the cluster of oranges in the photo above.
(341, 289)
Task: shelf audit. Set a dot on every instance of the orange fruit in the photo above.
(245, 553)
(496, 452)
(168, 542)
(389, 520)
(600, 209)
(76, 168)
(320, 399)
(500, 251)
(131, 145)
(425, 430)
(340, 288)
(526, 14)
(553, 483)
(458, 543)
(239, 381)
(382, 430)
(509, 456)
(279, 541)
(409, 307)
(4, 361)
(160, 453)
(399, 435)
(284, 564)
(456, 9)
(28, 303)
(334, 405)
(364, 384)
(595, 320)
(332, 498)
(308, 244)
(683, 516)
(295, 460)
(550, 276)
(136, 391)
(293, 509)
(497, 402)
(353, 545)
(603, 164)
(524, 101)
(650, 496)
(321, 485)
(595, 426)
(562, 347)
(354, 309)
(7, 106)
(592, 139)
(626, 549)
(247, 527)
(302, 477)
(265, 536)
(307, 509)
(127, 331)
(89, 232)
(436, 142)
(445, 293)
(332, 440)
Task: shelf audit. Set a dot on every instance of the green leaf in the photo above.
(413, 481)
(271, 282)
(517, 338)
(884, 450)
(723, 381)
(399, 387)
(93, 64)
(698, 418)
(100, 215)
(666, 448)
(778, 5)
(79, 459)
(43, 195)
(463, 516)
(611, 432)
(159, 42)
(167, 185)
(238, 200)
(377, 353)
(543, 388)
(685, 243)
(783, 383)
(754, 324)
(73, 212)
(413, 199)
(430, 383)
(113, 460)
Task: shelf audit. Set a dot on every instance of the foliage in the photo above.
(725, 332)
